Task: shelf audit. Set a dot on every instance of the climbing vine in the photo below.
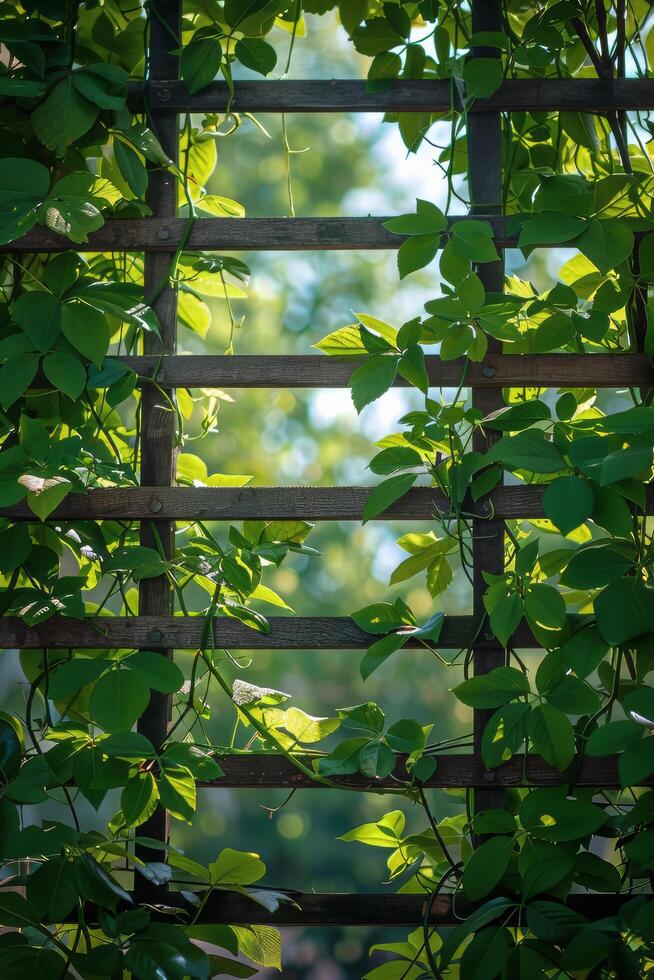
(81, 144)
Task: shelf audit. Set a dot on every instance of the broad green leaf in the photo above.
(550, 228)
(486, 867)
(178, 792)
(428, 220)
(545, 606)
(24, 186)
(86, 329)
(528, 450)
(236, 868)
(139, 798)
(385, 494)
(551, 735)
(380, 651)
(416, 252)
(505, 617)
(615, 736)
(624, 610)
(119, 699)
(568, 502)
(598, 565)
(372, 379)
(257, 54)
(161, 673)
(606, 243)
(200, 59)
(513, 418)
(473, 240)
(482, 77)
(63, 117)
(493, 689)
(66, 373)
(386, 832)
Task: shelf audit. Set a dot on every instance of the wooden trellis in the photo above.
(157, 504)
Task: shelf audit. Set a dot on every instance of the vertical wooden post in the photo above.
(485, 187)
(157, 419)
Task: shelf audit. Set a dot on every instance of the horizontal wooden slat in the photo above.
(188, 632)
(234, 234)
(336, 908)
(452, 771)
(280, 503)
(316, 371)
(404, 95)
(312, 909)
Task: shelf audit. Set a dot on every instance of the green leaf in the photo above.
(528, 450)
(86, 329)
(550, 228)
(394, 458)
(615, 736)
(372, 379)
(385, 494)
(473, 240)
(66, 373)
(160, 672)
(545, 606)
(636, 764)
(505, 617)
(596, 566)
(236, 868)
(380, 651)
(131, 168)
(257, 54)
(39, 316)
(606, 243)
(513, 418)
(573, 696)
(549, 815)
(72, 209)
(382, 617)
(139, 799)
(45, 495)
(551, 735)
(63, 117)
(412, 367)
(624, 610)
(177, 792)
(428, 220)
(200, 59)
(95, 885)
(16, 375)
(482, 77)
(24, 186)
(262, 944)
(568, 502)
(119, 699)
(493, 689)
(486, 867)
(71, 675)
(505, 733)
(353, 340)
(416, 252)
(387, 832)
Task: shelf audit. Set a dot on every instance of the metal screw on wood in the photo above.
(164, 95)
(163, 234)
(489, 776)
(488, 371)
(155, 636)
(155, 506)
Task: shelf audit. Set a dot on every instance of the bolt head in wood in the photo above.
(155, 636)
(164, 95)
(488, 371)
(155, 506)
(163, 234)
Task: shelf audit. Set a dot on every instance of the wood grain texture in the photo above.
(317, 371)
(283, 503)
(452, 771)
(338, 909)
(157, 421)
(187, 632)
(484, 135)
(234, 234)
(405, 95)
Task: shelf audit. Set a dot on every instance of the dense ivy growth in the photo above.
(76, 155)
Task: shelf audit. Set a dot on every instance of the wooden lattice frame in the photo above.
(158, 504)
